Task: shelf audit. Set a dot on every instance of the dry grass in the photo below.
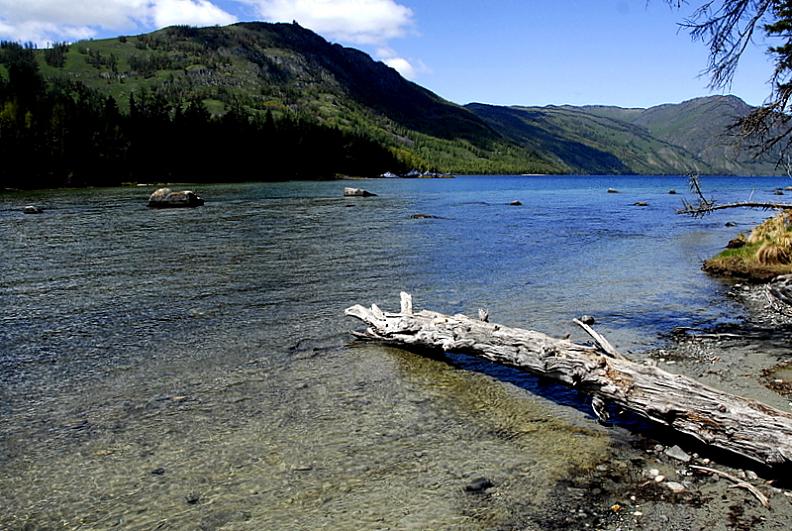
(767, 252)
(772, 254)
(775, 238)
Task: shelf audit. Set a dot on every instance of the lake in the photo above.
(193, 368)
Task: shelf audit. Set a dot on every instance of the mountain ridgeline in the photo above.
(692, 136)
(269, 101)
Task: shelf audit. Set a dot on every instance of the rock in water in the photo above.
(613, 191)
(31, 209)
(357, 192)
(478, 485)
(516, 203)
(166, 198)
(587, 319)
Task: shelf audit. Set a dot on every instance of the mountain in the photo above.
(286, 70)
(283, 72)
(694, 135)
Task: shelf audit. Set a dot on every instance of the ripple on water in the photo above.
(209, 345)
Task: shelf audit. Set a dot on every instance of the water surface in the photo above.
(154, 358)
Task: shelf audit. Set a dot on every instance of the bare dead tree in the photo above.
(703, 205)
(728, 27)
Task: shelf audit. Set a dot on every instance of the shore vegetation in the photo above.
(759, 256)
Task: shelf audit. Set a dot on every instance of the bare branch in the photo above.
(695, 210)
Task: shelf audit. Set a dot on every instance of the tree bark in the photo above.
(722, 420)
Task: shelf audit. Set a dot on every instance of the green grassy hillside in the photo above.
(588, 143)
(287, 70)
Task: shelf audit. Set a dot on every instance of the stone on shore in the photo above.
(678, 453)
(166, 198)
(676, 488)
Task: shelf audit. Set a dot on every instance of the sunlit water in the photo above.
(193, 368)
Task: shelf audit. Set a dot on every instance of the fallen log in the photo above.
(739, 425)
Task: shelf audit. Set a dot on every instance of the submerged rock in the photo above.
(424, 216)
(166, 198)
(357, 192)
(478, 485)
(641, 203)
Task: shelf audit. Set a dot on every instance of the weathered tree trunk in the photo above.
(739, 425)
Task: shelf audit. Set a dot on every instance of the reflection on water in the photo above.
(192, 368)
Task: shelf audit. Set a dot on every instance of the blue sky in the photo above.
(509, 52)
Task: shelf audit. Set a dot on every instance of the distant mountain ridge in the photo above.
(692, 136)
(287, 70)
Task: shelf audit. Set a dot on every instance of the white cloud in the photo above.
(356, 21)
(402, 66)
(43, 21)
(191, 12)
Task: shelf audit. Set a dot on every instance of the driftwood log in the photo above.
(722, 420)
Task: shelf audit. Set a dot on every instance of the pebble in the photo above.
(302, 468)
(158, 471)
(654, 472)
(659, 478)
(751, 475)
(677, 453)
(659, 448)
(676, 488)
(637, 513)
(192, 498)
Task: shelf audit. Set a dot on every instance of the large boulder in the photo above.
(166, 198)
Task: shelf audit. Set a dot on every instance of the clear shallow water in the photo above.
(211, 344)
